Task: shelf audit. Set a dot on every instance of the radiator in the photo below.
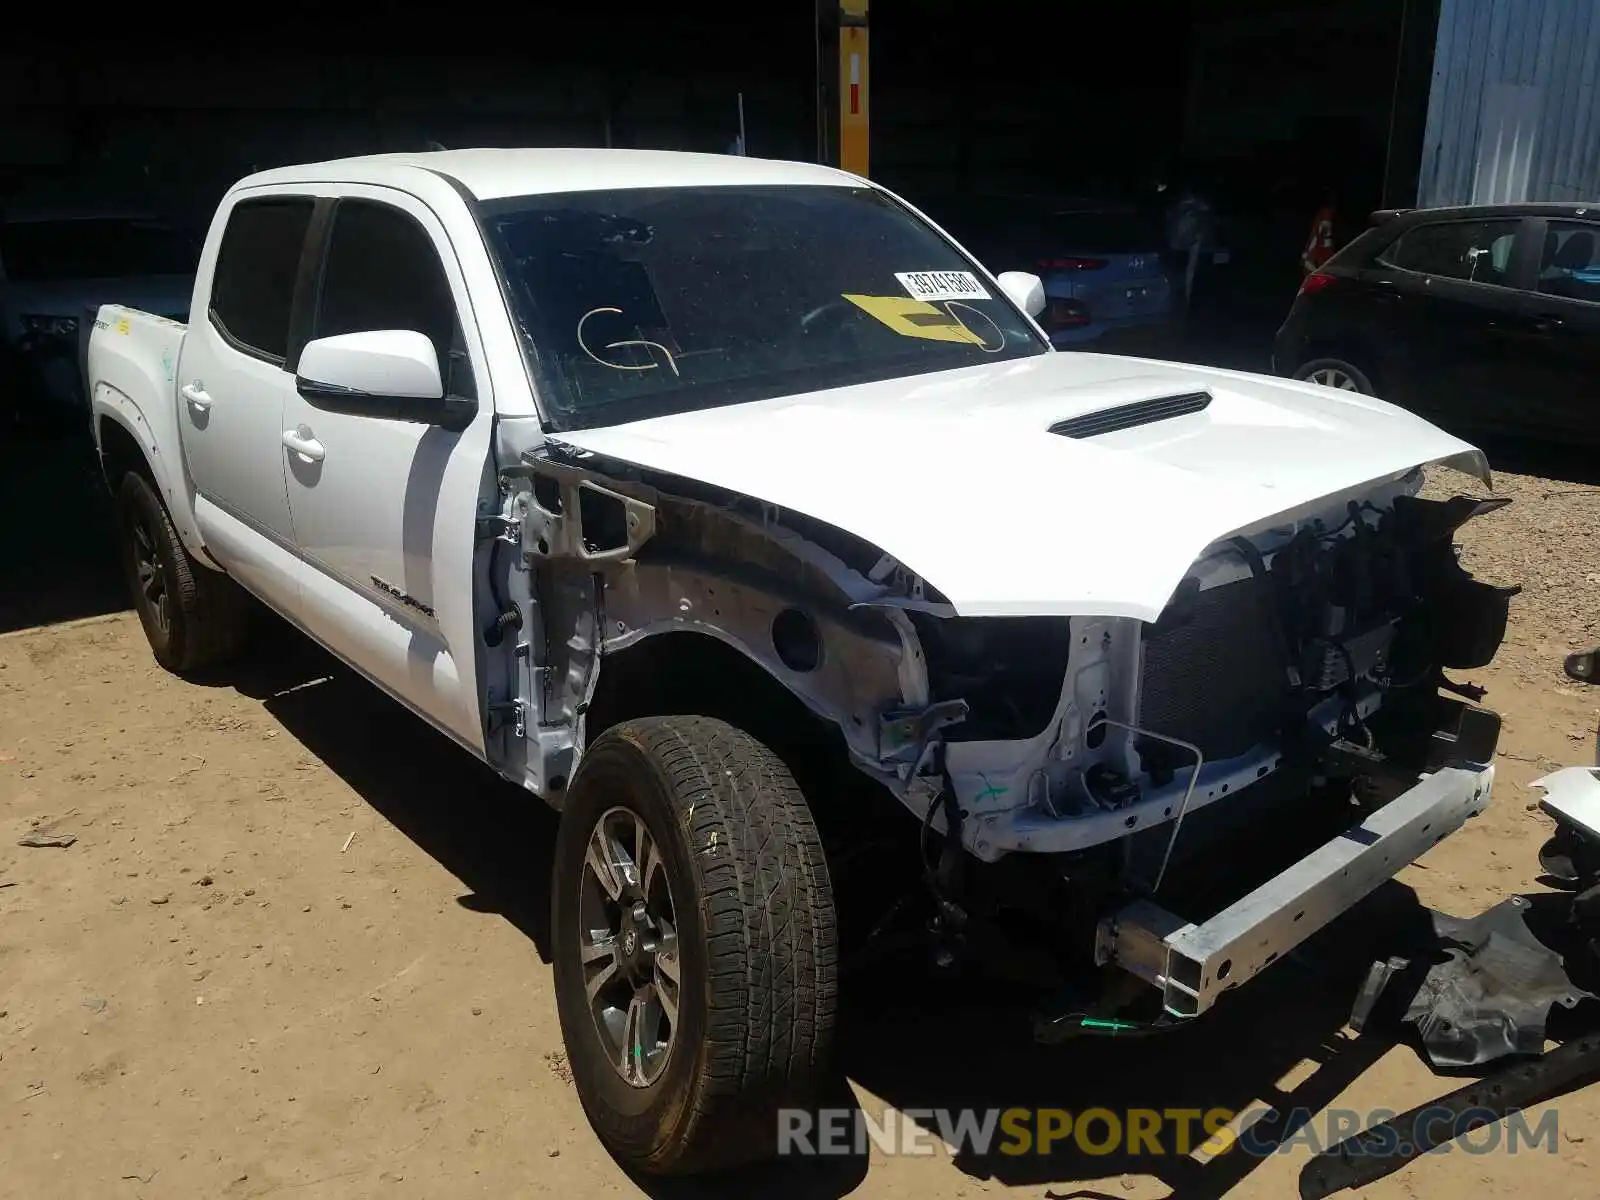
(1217, 679)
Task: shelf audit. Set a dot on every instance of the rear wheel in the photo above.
(1336, 373)
(695, 945)
(193, 617)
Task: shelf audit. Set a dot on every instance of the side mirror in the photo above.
(391, 373)
(1024, 289)
(1584, 667)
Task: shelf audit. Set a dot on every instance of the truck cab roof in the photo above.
(492, 174)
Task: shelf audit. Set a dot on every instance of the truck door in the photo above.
(385, 509)
(232, 380)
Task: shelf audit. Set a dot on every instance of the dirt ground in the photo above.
(296, 950)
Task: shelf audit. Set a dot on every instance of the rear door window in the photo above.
(253, 287)
(1569, 267)
(1471, 251)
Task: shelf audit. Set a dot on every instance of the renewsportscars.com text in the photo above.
(1148, 1131)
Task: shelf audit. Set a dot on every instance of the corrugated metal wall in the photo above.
(1514, 111)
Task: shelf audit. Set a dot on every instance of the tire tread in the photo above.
(770, 934)
(209, 611)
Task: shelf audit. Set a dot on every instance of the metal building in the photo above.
(1514, 106)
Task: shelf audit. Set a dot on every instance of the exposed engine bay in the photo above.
(1089, 764)
(1054, 734)
(1274, 653)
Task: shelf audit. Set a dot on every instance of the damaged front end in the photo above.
(1286, 720)
(1291, 692)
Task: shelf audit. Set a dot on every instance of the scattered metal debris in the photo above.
(38, 838)
(1384, 1149)
(1488, 999)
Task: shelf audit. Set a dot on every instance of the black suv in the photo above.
(1480, 318)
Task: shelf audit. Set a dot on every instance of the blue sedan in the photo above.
(1105, 282)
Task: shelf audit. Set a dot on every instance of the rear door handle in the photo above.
(1547, 323)
(197, 396)
(302, 443)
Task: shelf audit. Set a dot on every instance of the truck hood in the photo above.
(960, 476)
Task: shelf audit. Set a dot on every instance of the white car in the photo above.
(660, 481)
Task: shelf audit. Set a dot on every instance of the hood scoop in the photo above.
(1131, 416)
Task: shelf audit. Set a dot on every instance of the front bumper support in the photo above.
(1193, 964)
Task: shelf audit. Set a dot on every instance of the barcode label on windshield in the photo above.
(941, 285)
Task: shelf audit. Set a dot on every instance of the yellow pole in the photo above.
(853, 126)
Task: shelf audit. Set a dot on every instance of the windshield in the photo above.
(96, 248)
(658, 300)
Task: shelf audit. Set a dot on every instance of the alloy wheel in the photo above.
(150, 578)
(628, 946)
(1334, 377)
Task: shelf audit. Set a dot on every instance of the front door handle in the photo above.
(197, 396)
(299, 440)
(1525, 326)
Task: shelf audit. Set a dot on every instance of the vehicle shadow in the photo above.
(56, 526)
(1279, 1043)
(492, 836)
(908, 1040)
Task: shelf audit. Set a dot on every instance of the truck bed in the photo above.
(130, 377)
(124, 337)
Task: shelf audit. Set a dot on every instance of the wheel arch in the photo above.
(707, 672)
(126, 443)
(122, 451)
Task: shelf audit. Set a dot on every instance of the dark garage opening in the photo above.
(1258, 103)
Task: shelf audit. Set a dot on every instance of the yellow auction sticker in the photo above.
(915, 318)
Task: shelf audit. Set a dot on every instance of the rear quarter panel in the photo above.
(132, 368)
(1346, 321)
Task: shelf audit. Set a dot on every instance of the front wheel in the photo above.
(695, 944)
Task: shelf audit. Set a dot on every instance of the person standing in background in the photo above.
(1189, 221)
(1319, 246)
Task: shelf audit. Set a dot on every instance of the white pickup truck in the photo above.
(662, 481)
